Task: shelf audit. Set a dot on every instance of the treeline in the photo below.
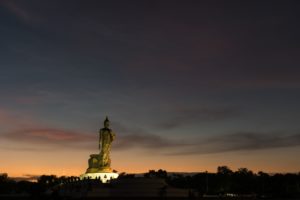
(43, 185)
(224, 182)
(240, 182)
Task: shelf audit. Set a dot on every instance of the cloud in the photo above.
(147, 141)
(135, 137)
(242, 141)
(26, 177)
(238, 141)
(182, 116)
(9, 118)
(24, 128)
(18, 10)
(48, 135)
(49, 139)
(6, 117)
(46, 139)
(266, 82)
(26, 149)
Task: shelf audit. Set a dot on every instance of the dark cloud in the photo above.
(148, 141)
(18, 10)
(242, 141)
(281, 79)
(195, 43)
(135, 137)
(56, 139)
(186, 116)
(46, 139)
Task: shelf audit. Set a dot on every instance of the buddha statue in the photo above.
(101, 162)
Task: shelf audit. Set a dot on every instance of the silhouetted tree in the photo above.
(224, 179)
(242, 181)
(157, 174)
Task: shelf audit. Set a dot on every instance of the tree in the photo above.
(224, 170)
(224, 179)
(3, 177)
(158, 174)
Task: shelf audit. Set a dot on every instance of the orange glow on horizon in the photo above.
(130, 163)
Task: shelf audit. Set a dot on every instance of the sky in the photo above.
(187, 85)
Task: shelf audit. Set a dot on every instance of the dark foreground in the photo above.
(225, 184)
(138, 198)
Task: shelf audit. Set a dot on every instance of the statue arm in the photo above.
(100, 137)
(113, 135)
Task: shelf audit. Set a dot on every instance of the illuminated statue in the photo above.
(101, 162)
(106, 136)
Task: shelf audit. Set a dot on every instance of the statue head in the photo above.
(106, 122)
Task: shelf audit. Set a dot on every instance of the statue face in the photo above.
(106, 124)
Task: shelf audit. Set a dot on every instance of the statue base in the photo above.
(102, 176)
(99, 170)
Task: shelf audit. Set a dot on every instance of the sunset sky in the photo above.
(188, 85)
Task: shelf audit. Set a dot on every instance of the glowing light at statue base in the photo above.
(103, 177)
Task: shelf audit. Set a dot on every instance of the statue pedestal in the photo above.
(104, 177)
(99, 170)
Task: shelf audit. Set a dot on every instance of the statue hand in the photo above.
(112, 136)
